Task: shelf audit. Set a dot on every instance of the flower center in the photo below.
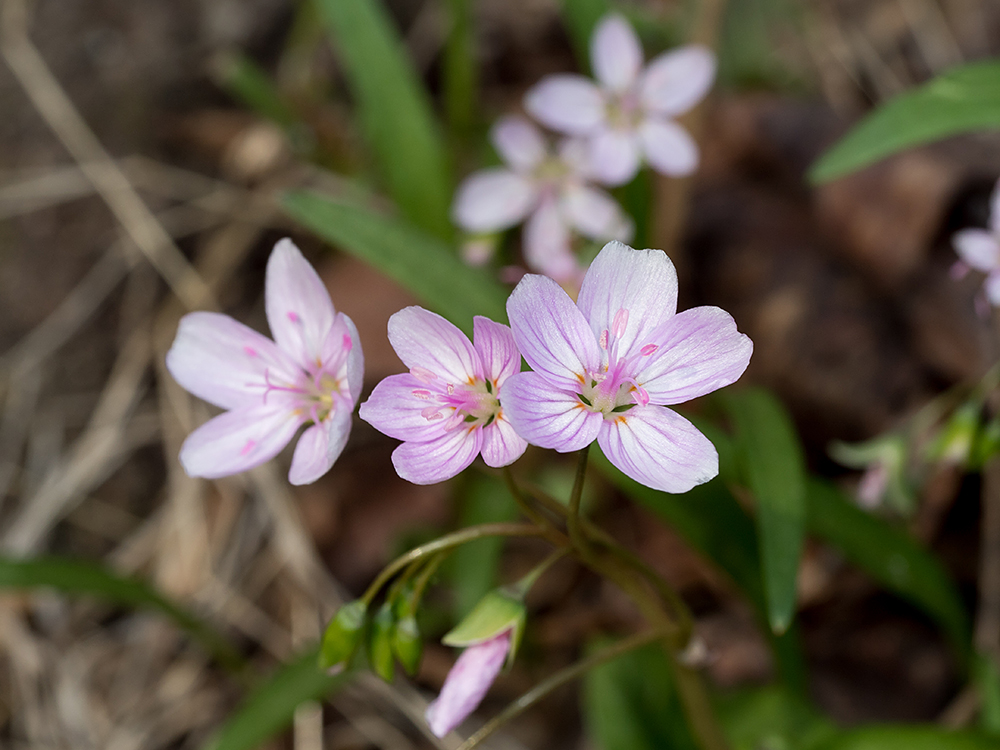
(613, 389)
(472, 404)
(551, 172)
(624, 111)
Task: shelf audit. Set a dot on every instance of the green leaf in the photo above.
(395, 110)
(250, 84)
(80, 577)
(909, 738)
(987, 678)
(460, 67)
(774, 470)
(581, 16)
(772, 717)
(962, 100)
(891, 557)
(630, 704)
(423, 264)
(271, 707)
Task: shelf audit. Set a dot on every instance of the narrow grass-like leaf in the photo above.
(962, 100)
(774, 471)
(82, 577)
(772, 717)
(909, 738)
(271, 707)
(460, 68)
(394, 108)
(422, 263)
(891, 557)
(250, 84)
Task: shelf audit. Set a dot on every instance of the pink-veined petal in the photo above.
(615, 156)
(238, 440)
(595, 214)
(546, 243)
(659, 448)
(394, 410)
(642, 282)
(546, 415)
(519, 143)
(297, 303)
(699, 351)
(493, 199)
(675, 81)
(978, 248)
(355, 360)
(467, 683)
(320, 446)
(566, 102)
(668, 147)
(994, 221)
(992, 288)
(551, 333)
(502, 445)
(495, 344)
(615, 53)
(224, 362)
(438, 459)
(425, 339)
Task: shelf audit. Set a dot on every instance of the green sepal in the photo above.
(343, 634)
(407, 644)
(500, 610)
(380, 643)
(890, 451)
(955, 442)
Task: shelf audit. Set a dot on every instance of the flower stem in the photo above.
(523, 586)
(558, 679)
(579, 541)
(525, 505)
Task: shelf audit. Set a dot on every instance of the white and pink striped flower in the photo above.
(607, 367)
(548, 190)
(310, 374)
(626, 116)
(446, 409)
(980, 249)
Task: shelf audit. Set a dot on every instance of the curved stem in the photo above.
(573, 519)
(522, 502)
(558, 679)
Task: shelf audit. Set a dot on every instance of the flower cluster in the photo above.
(613, 125)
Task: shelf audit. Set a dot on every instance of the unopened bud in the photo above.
(501, 610)
(343, 635)
(407, 644)
(380, 643)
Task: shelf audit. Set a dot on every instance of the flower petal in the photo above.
(320, 446)
(675, 81)
(238, 440)
(659, 448)
(595, 214)
(297, 303)
(546, 243)
(979, 248)
(438, 459)
(355, 359)
(566, 102)
(992, 288)
(495, 344)
(699, 351)
(643, 282)
(551, 333)
(546, 415)
(425, 339)
(615, 52)
(224, 362)
(467, 683)
(493, 199)
(614, 156)
(994, 220)
(519, 143)
(502, 445)
(668, 147)
(392, 409)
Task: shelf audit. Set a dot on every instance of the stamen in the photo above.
(423, 374)
(451, 389)
(604, 339)
(648, 349)
(250, 444)
(640, 396)
(250, 350)
(420, 393)
(619, 323)
(294, 317)
(431, 413)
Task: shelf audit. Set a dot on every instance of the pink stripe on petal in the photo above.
(493, 199)
(546, 415)
(567, 103)
(502, 445)
(677, 80)
(425, 339)
(659, 448)
(495, 344)
(439, 459)
(467, 683)
(237, 440)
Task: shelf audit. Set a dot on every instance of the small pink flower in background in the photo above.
(606, 367)
(310, 374)
(626, 116)
(467, 683)
(980, 249)
(446, 407)
(548, 190)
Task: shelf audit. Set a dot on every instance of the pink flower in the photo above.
(310, 374)
(549, 190)
(607, 367)
(980, 249)
(446, 407)
(467, 683)
(626, 117)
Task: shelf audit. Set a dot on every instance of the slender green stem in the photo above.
(450, 541)
(525, 505)
(573, 519)
(523, 586)
(558, 679)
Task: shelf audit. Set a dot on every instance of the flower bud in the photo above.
(954, 443)
(343, 635)
(380, 643)
(501, 610)
(407, 644)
